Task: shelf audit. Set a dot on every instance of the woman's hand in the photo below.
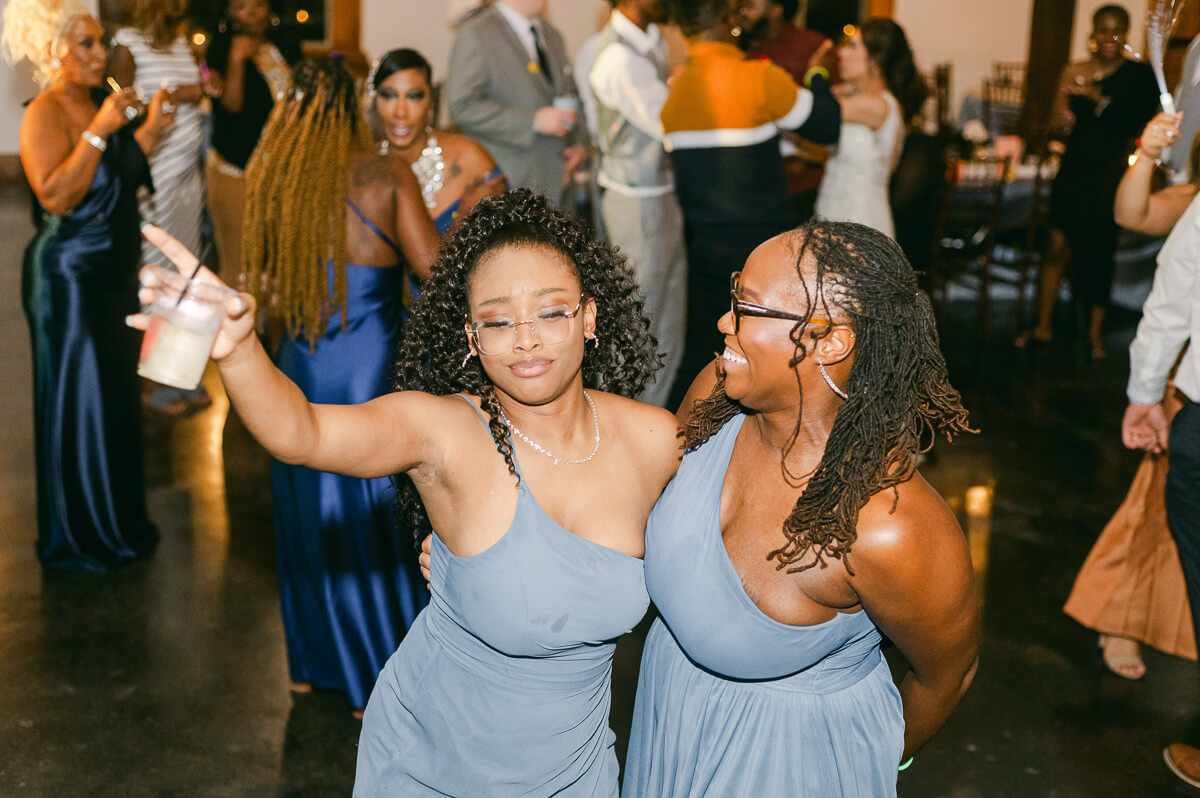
(160, 112)
(1162, 132)
(112, 115)
(821, 56)
(238, 325)
(426, 558)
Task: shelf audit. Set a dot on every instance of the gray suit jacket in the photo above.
(492, 95)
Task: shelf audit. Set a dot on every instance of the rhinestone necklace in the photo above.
(560, 460)
(430, 170)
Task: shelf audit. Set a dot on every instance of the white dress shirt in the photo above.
(522, 26)
(628, 82)
(1170, 318)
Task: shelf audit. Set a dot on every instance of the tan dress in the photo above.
(1131, 584)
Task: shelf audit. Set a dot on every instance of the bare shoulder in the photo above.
(649, 430)
(470, 153)
(908, 529)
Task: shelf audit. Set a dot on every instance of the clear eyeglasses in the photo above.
(550, 325)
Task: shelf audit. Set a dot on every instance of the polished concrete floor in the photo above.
(167, 678)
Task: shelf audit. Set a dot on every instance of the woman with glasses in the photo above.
(514, 444)
(798, 532)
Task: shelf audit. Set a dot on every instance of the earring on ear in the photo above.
(467, 359)
(1093, 45)
(56, 64)
(829, 381)
(595, 340)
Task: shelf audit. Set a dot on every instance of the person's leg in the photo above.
(1183, 499)
(1049, 278)
(1096, 330)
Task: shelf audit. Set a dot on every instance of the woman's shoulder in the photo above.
(910, 520)
(645, 427)
(473, 156)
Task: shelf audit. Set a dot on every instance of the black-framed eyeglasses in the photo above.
(551, 325)
(739, 307)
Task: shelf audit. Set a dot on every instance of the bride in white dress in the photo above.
(880, 92)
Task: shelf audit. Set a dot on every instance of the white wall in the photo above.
(422, 25)
(17, 86)
(970, 35)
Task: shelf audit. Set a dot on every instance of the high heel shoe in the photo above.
(1127, 666)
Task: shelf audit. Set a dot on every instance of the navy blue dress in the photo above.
(79, 283)
(348, 577)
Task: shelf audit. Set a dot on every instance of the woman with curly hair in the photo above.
(880, 94)
(347, 583)
(528, 325)
(798, 531)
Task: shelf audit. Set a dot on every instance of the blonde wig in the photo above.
(34, 29)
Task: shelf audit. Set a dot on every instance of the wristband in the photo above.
(94, 140)
(813, 72)
(906, 764)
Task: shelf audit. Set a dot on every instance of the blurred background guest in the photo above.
(84, 163)
(1131, 587)
(1103, 102)
(454, 171)
(154, 53)
(881, 93)
(777, 36)
(346, 576)
(511, 89)
(249, 62)
(722, 120)
(641, 215)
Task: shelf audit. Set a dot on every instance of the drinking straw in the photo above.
(199, 265)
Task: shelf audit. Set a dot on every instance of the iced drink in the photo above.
(180, 337)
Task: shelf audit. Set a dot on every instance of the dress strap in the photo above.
(478, 412)
(374, 228)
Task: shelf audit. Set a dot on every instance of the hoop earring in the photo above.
(829, 381)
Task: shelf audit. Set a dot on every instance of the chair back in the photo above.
(1003, 102)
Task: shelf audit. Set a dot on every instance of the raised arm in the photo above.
(392, 434)
(813, 113)
(913, 575)
(418, 236)
(1135, 207)
(60, 169)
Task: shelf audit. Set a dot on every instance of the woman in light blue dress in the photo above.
(797, 531)
(516, 447)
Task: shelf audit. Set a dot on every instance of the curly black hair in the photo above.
(699, 16)
(900, 393)
(434, 348)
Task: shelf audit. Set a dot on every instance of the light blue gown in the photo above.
(502, 685)
(731, 702)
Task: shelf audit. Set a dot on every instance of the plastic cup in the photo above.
(180, 337)
(568, 103)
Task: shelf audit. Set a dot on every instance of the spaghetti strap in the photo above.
(362, 217)
(478, 412)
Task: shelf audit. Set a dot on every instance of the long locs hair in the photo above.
(900, 397)
(434, 352)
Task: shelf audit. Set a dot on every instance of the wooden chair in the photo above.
(941, 95)
(1002, 106)
(1008, 73)
(1032, 252)
(965, 238)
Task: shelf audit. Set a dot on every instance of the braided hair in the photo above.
(433, 353)
(295, 198)
(900, 393)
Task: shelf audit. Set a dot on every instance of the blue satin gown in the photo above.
(79, 283)
(348, 577)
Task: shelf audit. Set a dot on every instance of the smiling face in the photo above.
(1109, 34)
(81, 51)
(516, 283)
(403, 101)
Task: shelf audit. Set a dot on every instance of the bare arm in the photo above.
(121, 65)
(158, 119)
(913, 575)
(60, 169)
(479, 162)
(389, 435)
(233, 73)
(1135, 208)
(418, 235)
(864, 109)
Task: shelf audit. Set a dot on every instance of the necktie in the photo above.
(543, 61)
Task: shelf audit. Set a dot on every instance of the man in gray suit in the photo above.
(510, 88)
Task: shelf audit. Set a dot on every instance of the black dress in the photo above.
(79, 283)
(1081, 201)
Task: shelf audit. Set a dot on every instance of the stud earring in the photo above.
(829, 381)
(56, 64)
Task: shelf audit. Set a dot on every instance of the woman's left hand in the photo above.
(160, 112)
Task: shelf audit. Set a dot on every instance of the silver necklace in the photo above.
(430, 170)
(560, 460)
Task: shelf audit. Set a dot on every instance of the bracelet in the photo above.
(906, 763)
(813, 72)
(1139, 154)
(94, 140)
